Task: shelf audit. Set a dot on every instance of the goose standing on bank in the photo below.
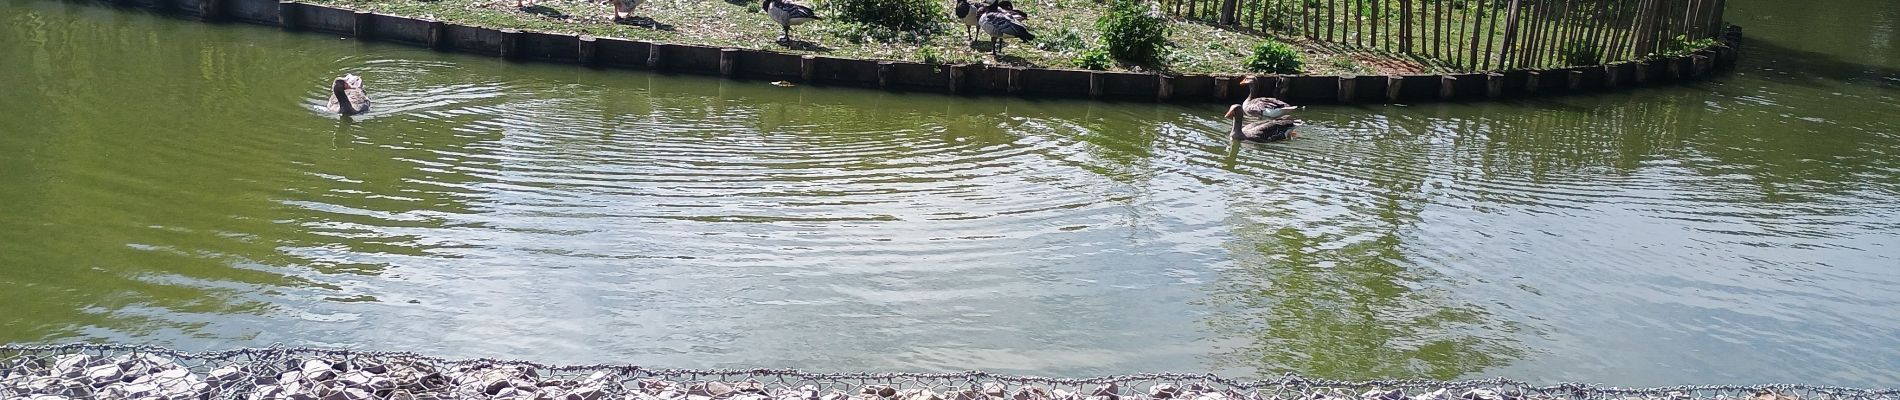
(623, 9)
(347, 97)
(1000, 20)
(786, 14)
(969, 13)
(1263, 107)
(1271, 130)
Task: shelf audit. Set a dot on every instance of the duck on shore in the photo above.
(347, 97)
(787, 14)
(1270, 130)
(623, 9)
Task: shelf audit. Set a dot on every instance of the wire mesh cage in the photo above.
(103, 371)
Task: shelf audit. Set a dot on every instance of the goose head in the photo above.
(355, 82)
(765, 5)
(1233, 111)
(1246, 81)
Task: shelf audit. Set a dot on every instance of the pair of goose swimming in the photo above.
(348, 98)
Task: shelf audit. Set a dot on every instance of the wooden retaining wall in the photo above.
(956, 79)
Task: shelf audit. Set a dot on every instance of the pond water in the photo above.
(170, 182)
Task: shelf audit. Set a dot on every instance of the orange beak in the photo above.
(1233, 110)
(1247, 81)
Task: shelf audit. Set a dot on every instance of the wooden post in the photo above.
(438, 34)
(1447, 87)
(807, 67)
(1348, 85)
(1510, 35)
(728, 58)
(1699, 65)
(654, 50)
(1393, 85)
(884, 71)
(1531, 80)
(1095, 83)
(1609, 75)
(586, 49)
(1164, 87)
(1476, 40)
(1015, 79)
(1227, 8)
(1405, 26)
(510, 39)
(1675, 68)
(1642, 72)
(1280, 88)
(210, 10)
(1221, 88)
(287, 15)
(956, 77)
(1493, 85)
(362, 28)
(1576, 80)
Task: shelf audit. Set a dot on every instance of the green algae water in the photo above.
(175, 183)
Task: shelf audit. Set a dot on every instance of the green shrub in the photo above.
(898, 15)
(1095, 59)
(929, 55)
(1580, 52)
(1272, 56)
(1131, 31)
(1682, 46)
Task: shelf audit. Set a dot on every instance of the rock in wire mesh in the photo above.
(105, 371)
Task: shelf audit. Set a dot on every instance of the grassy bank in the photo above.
(1064, 29)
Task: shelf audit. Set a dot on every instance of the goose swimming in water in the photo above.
(1002, 19)
(787, 14)
(1263, 107)
(1271, 130)
(347, 97)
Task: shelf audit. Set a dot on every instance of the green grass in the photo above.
(1064, 28)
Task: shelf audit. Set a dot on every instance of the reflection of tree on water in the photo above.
(1327, 290)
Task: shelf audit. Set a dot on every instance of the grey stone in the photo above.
(1163, 391)
(1375, 394)
(1481, 394)
(399, 394)
(713, 389)
(877, 391)
(263, 392)
(349, 394)
(750, 386)
(225, 377)
(71, 365)
(1030, 393)
(834, 394)
(105, 373)
(1433, 395)
(318, 370)
(585, 392)
(995, 389)
(919, 394)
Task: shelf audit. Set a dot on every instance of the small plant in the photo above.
(896, 15)
(1064, 40)
(1095, 59)
(1579, 52)
(929, 55)
(1272, 56)
(1682, 46)
(1134, 31)
(1347, 64)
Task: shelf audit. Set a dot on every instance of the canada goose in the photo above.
(786, 14)
(1263, 107)
(969, 13)
(998, 22)
(623, 9)
(1262, 131)
(346, 95)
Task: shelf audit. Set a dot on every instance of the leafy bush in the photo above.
(1095, 59)
(1580, 52)
(929, 55)
(1132, 31)
(1682, 46)
(898, 15)
(1272, 56)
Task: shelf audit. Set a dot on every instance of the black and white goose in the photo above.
(1271, 130)
(1263, 107)
(969, 13)
(1002, 19)
(346, 95)
(786, 14)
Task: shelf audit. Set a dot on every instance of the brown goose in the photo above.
(1271, 130)
(347, 97)
(1263, 107)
